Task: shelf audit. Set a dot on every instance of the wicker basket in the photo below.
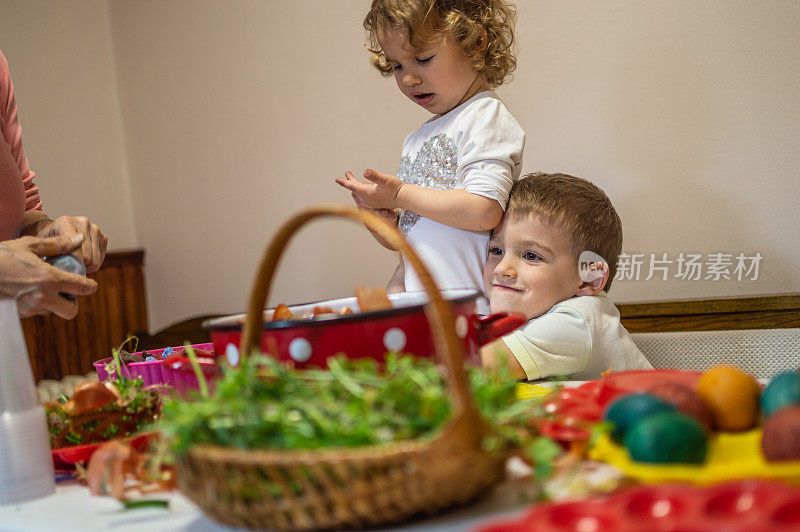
(349, 487)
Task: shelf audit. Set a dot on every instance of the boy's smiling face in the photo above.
(439, 77)
(531, 266)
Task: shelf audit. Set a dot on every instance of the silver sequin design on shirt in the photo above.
(434, 167)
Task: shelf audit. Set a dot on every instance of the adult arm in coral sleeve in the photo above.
(21, 211)
(14, 165)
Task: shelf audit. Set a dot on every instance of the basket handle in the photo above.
(440, 316)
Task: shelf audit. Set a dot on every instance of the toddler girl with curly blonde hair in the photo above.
(457, 169)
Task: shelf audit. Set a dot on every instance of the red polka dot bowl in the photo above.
(403, 328)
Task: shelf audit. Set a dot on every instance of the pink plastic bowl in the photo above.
(156, 373)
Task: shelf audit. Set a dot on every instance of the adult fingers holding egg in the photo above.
(93, 248)
(38, 287)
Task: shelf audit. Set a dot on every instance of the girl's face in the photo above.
(439, 77)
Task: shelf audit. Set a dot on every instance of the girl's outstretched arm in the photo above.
(456, 208)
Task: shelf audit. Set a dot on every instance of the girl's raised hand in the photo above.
(387, 215)
(381, 193)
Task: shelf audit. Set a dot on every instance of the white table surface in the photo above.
(72, 508)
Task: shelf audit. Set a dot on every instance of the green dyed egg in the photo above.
(783, 390)
(629, 409)
(667, 438)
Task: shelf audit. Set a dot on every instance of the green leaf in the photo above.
(143, 503)
(201, 379)
(542, 451)
(263, 404)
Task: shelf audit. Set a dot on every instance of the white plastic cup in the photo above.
(26, 464)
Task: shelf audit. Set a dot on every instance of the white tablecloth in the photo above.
(72, 508)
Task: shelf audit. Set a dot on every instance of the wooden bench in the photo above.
(778, 311)
(59, 347)
(118, 309)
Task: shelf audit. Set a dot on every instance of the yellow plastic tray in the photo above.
(730, 456)
(528, 391)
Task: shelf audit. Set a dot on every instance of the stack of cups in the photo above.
(26, 465)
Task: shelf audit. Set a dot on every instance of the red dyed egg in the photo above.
(780, 439)
(685, 400)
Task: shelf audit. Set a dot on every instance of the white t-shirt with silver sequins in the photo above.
(476, 147)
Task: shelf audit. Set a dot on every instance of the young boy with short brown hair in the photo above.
(553, 258)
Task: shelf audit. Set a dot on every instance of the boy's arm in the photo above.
(497, 352)
(558, 342)
(397, 282)
(456, 208)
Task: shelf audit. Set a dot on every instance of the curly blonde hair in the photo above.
(429, 21)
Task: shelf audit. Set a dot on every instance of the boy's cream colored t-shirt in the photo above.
(580, 338)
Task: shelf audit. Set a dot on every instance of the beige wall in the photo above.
(63, 72)
(687, 113)
(237, 114)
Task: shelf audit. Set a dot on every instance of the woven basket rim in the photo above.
(464, 420)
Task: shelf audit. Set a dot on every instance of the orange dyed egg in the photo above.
(732, 396)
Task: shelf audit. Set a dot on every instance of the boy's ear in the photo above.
(594, 279)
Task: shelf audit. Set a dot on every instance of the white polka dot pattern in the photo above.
(300, 349)
(394, 339)
(232, 354)
(462, 326)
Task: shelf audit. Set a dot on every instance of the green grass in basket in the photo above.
(262, 404)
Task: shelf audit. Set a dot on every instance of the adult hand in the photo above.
(381, 193)
(34, 283)
(93, 249)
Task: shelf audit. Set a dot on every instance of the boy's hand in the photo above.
(380, 194)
